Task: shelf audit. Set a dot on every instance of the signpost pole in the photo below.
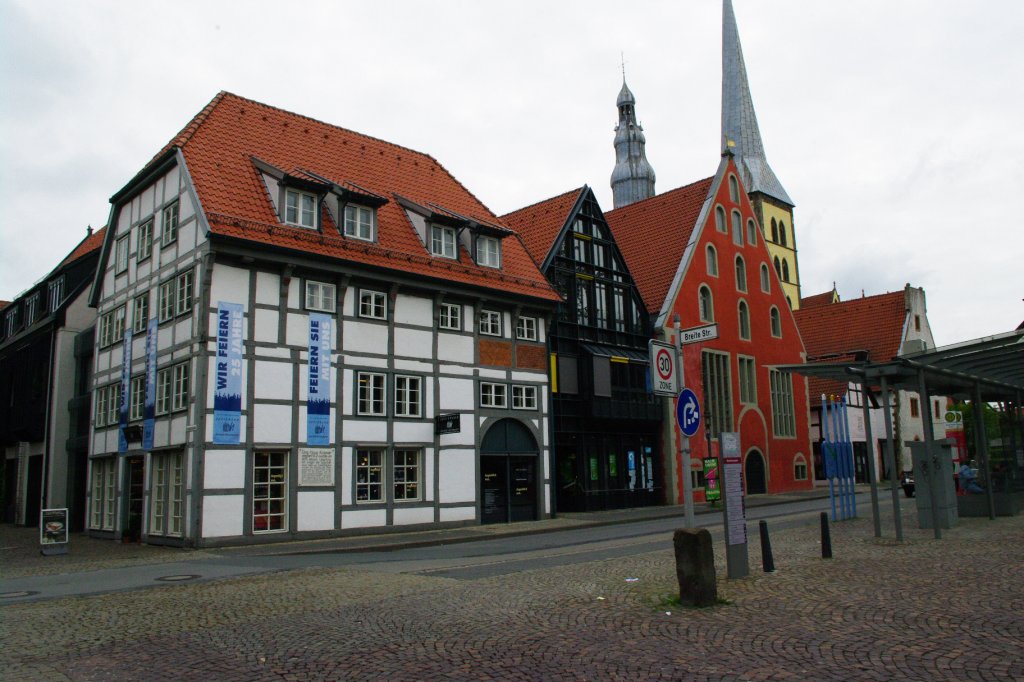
(684, 440)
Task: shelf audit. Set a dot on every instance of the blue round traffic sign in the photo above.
(688, 412)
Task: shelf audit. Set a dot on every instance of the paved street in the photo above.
(930, 610)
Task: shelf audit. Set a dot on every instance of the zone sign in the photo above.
(664, 369)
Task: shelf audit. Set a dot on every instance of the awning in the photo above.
(616, 354)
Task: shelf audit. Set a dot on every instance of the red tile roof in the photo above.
(219, 145)
(4, 304)
(540, 223)
(824, 298)
(667, 220)
(91, 243)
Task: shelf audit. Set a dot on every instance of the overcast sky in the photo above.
(895, 126)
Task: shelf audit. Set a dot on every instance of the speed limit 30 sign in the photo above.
(664, 370)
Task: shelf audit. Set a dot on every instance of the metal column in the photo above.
(869, 442)
(890, 457)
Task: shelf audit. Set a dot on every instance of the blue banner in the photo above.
(149, 409)
(126, 383)
(318, 406)
(227, 394)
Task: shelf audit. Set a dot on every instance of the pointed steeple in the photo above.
(632, 177)
(739, 123)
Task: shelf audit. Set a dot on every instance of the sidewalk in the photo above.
(20, 557)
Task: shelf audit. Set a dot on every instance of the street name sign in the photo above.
(698, 334)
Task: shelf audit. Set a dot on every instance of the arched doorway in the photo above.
(754, 470)
(508, 473)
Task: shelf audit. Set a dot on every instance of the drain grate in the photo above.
(178, 578)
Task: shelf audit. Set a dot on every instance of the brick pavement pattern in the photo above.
(921, 610)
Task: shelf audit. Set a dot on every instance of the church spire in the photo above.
(633, 177)
(739, 123)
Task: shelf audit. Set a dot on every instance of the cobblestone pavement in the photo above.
(951, 609)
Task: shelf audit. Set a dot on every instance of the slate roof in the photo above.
(834, 332)
(219, 146)
(668, 220)
(540, 223)
(91, 243)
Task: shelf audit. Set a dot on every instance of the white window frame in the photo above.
(121, 255)
(321, 296)
(369, 475)
(526, 328)
(766, 279)
(373, 305)
(169, 225)
(140, 312)
(183, 289)
(775, 322)
(111, 326)
(371, 391)
(489, 323)
(488, 252)
(799, 463)
(163, 391)
(743, 320)
(56, 293)
(449, 316)
(751, 232)
(166, 300)
(444, 242)
(275, 464)
(144, 249)
(407, 474)
(31, 308)
(524, 397)
(102, 486)
(180, 388)
(137, 398)
(355, 225)
(408, 396)
(493, 395)
(298, 213)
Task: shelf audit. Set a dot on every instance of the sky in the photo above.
(894, 125)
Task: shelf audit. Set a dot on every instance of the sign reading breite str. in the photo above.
(698, 334)
(664, 372)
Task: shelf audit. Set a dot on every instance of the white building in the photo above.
(268, 258)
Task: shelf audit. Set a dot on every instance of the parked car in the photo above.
(908, 484)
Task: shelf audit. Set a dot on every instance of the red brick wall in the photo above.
(531, 356)
(495, 353)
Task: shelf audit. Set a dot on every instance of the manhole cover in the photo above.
(15, 595)
(177, 578)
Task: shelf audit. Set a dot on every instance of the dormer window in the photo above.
(488, 252)
(443, 242)
(56, 293)
(359, 222)
(300, 208)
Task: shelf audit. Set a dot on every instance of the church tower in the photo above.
(633, 177)
(740, 135)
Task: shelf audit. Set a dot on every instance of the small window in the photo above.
(493, 395)
(748, 379)
(269, 492)
(751, 232)
(737, 228)
(10, 323)
(775, 231)
(369, 475)
(579, 226)
(145, 248)
(706, 305)
(31, 308)
(299, 208)
(766, 283)
(181, 390)
(778, 267)
(408, 396)
(490, 322)
(741, 274)
(782, 233)
(744, 320)
(138, 398)
(56, 293)
(524, 397)
(776, 322)
(711, 256)
(442, 242)
(406, 472)
(600, 255)
(785, 270)
(165, 301)
(170, 225)
(371, 387)
(734, 190)
(450, 316)
(488, 252)
(359, 222)
(111, 327)
(917, 323)
(163, 391)
(720, 220)
(526, 328)
(799, 468)
(140, 313)
(371, 305)
(321, 296)
(783, 420)
(938, 415)
(914, 409)
(121, 255)
(183, 294)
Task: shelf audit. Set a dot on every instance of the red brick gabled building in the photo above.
(699, 257)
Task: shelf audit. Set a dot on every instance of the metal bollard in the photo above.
(826, 538)
(767, 560)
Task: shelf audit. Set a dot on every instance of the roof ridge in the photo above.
(663, 195)
(575, 191)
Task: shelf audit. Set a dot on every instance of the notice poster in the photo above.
(732, 475)
(318, 406)
(53, 526)
(126, 382)
(316, 466)
(712, 493)
(227, 393)
(149, 406)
